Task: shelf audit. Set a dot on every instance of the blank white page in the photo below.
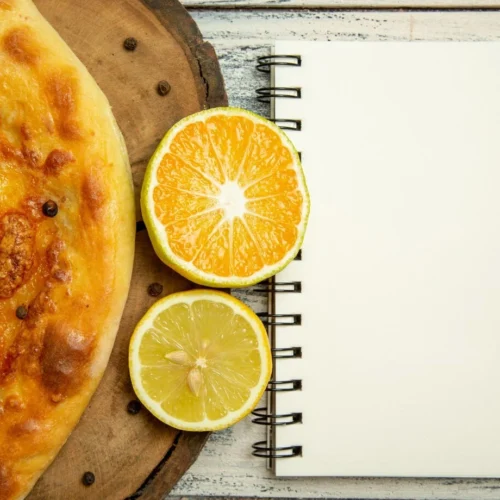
(400, 271)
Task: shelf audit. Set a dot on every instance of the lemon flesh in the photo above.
(200, 360)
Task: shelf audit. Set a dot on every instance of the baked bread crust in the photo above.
(64, 278)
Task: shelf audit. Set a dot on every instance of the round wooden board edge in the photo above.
(203, 60)
(200, 54)
(173, 465)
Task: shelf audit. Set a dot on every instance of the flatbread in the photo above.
(60, 150)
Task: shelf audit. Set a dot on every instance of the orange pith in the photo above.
(228, 196)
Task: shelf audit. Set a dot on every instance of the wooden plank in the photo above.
(343, 4)
(226, 466)
(255, 30)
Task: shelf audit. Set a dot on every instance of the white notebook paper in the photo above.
(400, 269)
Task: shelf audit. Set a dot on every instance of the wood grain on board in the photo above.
(343, 4)
(132, 454)
(225, 466)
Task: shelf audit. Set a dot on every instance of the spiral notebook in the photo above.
(386, 330)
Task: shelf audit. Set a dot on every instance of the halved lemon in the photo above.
(200, 360)
(224, 198)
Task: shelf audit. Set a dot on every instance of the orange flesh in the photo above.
(205, 160)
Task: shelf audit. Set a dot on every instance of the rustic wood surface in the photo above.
(225, 467)
(344, 4)
(130, 454)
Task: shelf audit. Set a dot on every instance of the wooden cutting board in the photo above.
(129, 453)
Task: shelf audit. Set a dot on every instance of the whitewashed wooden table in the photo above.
(242, 30)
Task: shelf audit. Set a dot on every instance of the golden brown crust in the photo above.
(66, 276)
(18, 44)
(17, 242)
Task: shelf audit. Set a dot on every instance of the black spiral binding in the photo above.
(265, 94)
(264, 63)
(281, 286)
(263, 418)
(272, 320)
(261, 449)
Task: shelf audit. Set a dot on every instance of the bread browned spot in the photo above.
(69, 129)
(15, 402)
(7, 366)
(17, 240)
(7, 486)
(93, 196)
(21, 46)
(58, 267)
(25, 132)
(56, 160)
(40, 305)
(8, 151)
(65, 359)
(62, 93)
(25, 427)
(21, 156)
(31, 156)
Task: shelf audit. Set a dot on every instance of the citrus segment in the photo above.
(188, 236)
(200, 360)
(266, 155)
(274, 240)
(176, 174)
(247, 256)
(230, 137)
(193, 145)
(284, 208)
(279, 182)
(224, 198)
(215, 255)
(173, 205)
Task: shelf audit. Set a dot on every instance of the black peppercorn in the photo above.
(134, 407)
(50, 208)
(155, 289)
(130, 44)
(163, 87)
(88, 479)
(21, 312)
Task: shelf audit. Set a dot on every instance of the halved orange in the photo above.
(224, 198)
